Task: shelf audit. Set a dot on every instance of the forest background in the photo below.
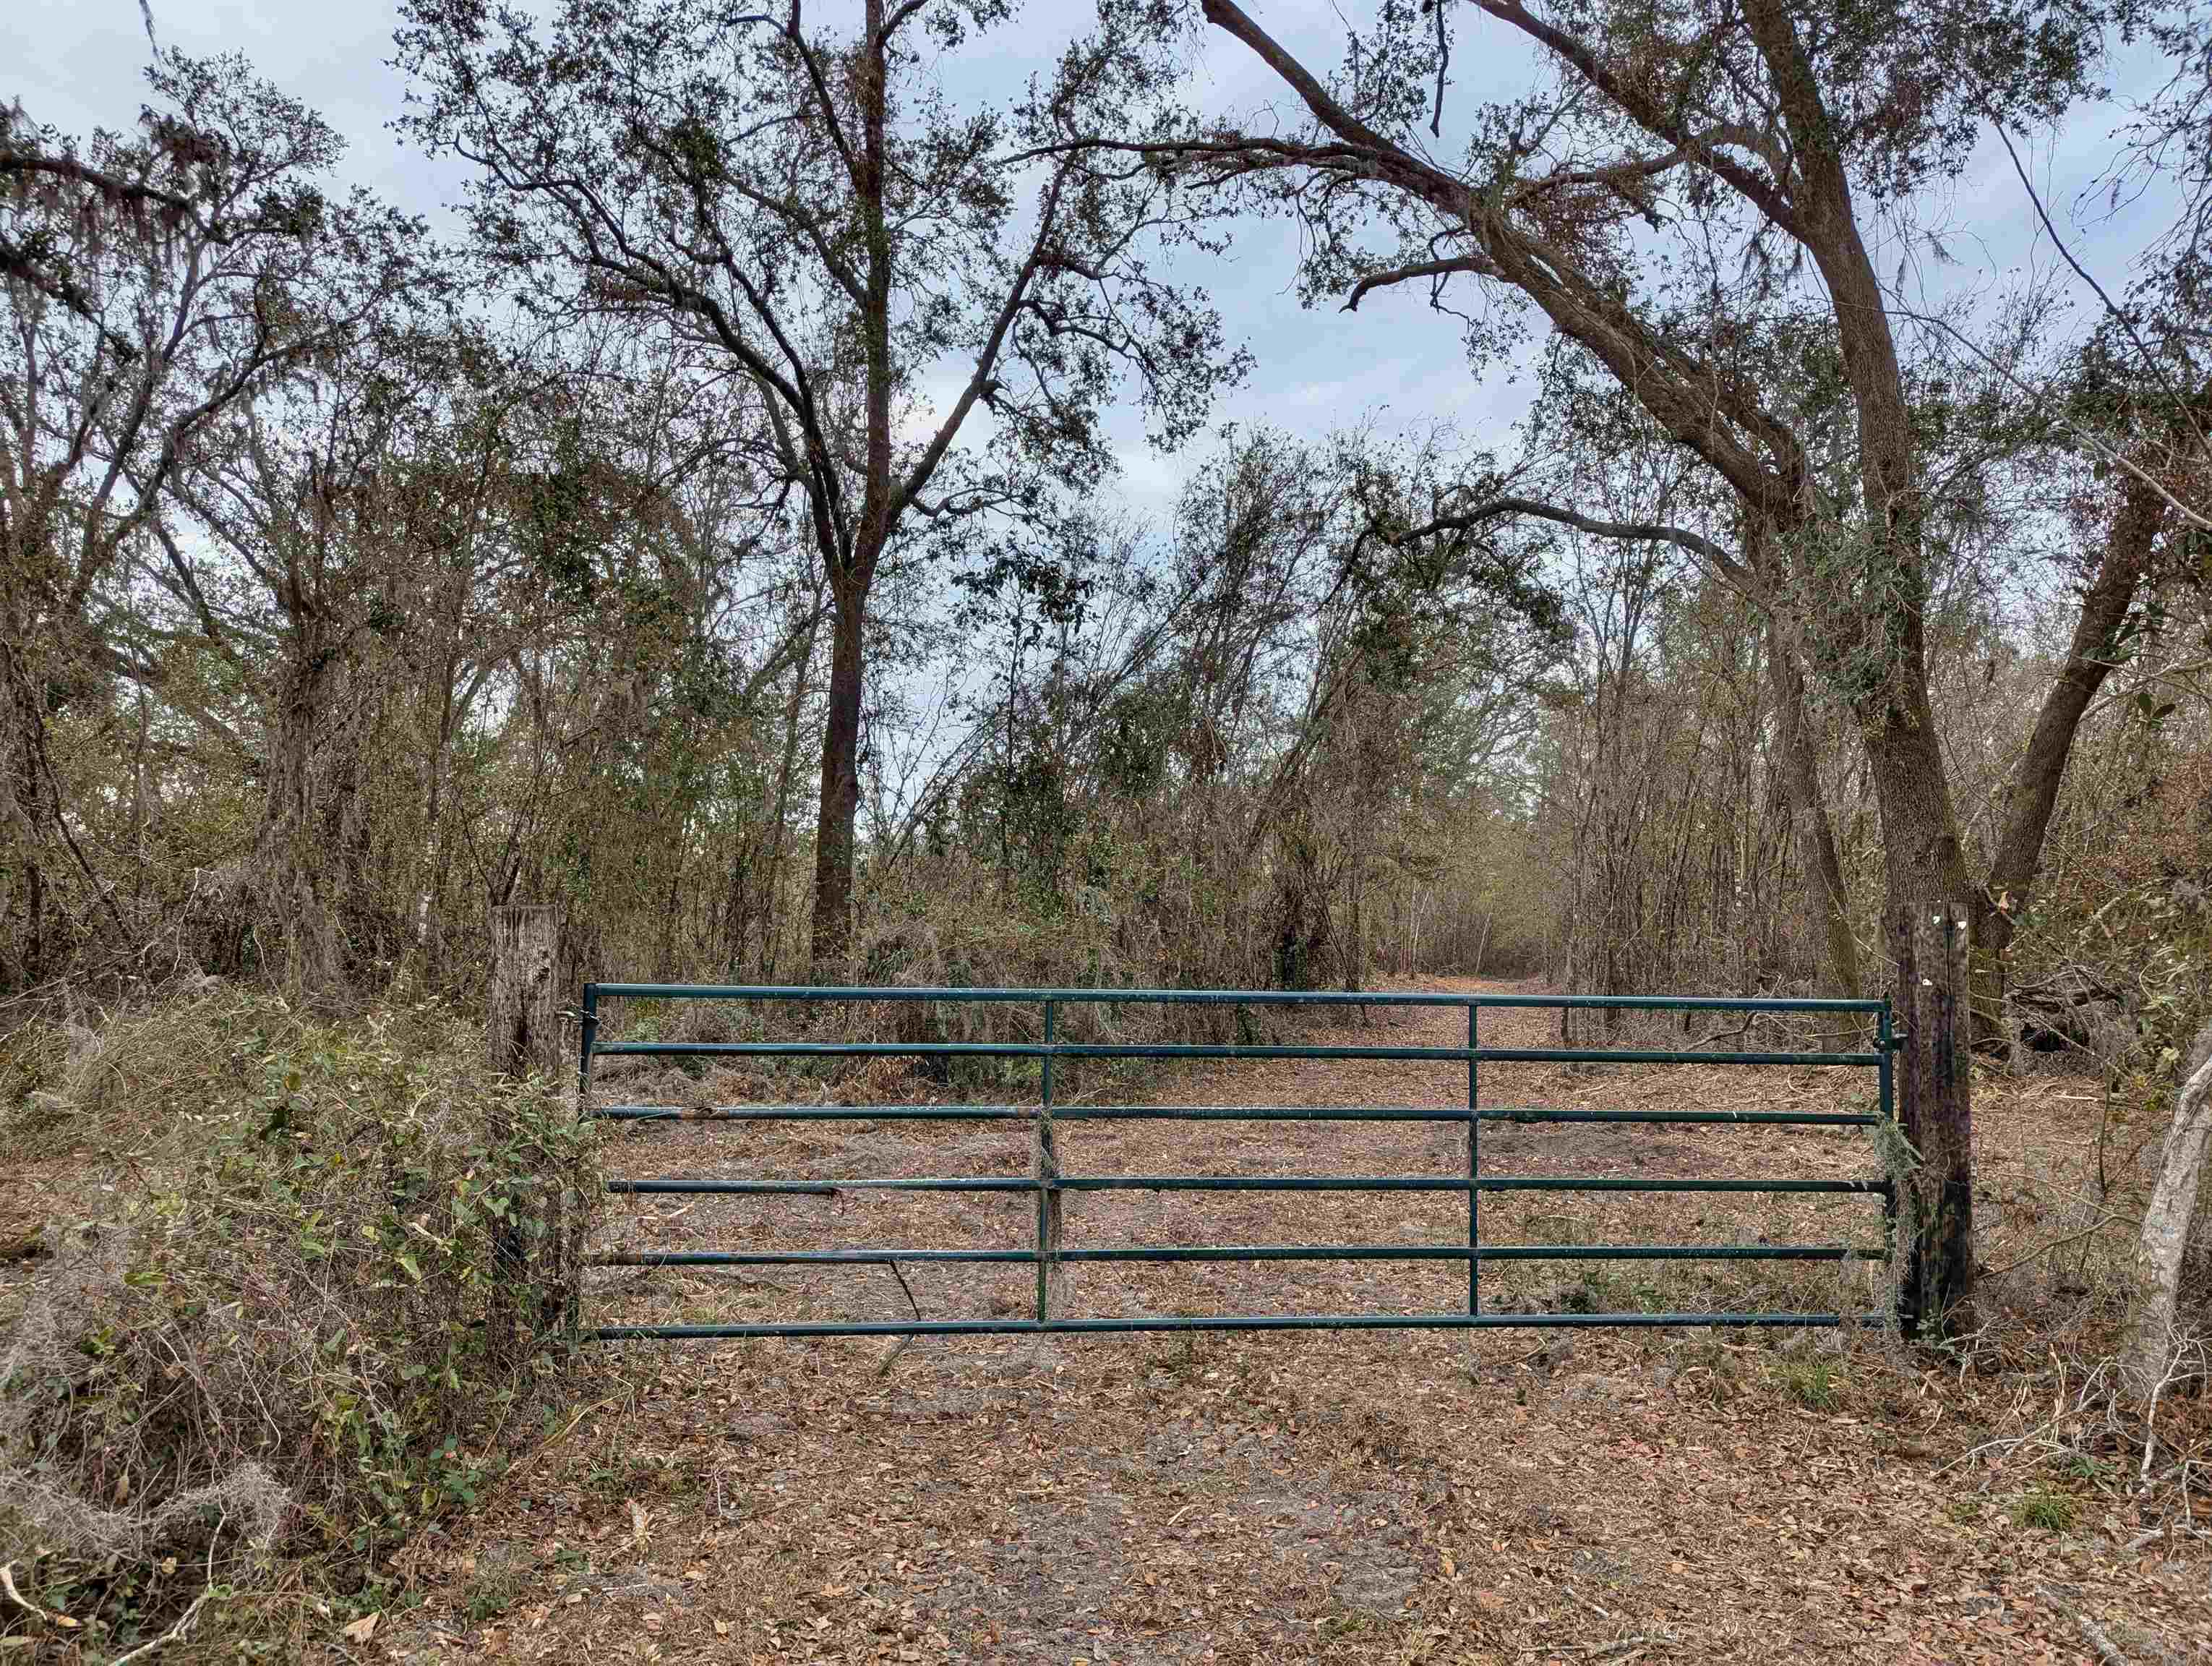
(481, 574)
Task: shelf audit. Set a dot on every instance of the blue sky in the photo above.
(77, 64)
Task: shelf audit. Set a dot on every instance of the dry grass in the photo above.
(1375, 1496)
(261, 1315)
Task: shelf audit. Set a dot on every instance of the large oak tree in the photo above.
(872, 271)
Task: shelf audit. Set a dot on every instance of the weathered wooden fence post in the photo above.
(1928, 948)
(522, 1037)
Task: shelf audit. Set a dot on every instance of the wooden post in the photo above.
(1928, 948)
(523, 1028)
(522, 1037)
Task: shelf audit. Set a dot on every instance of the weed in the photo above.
(2081, 1467)
(1185, 1357)
(1812, 1384)
(1710, 1372)
(1344, 1622)
(496, 1586)
(1386, 1438)
(1593, 1292)
(2051, 1512)
(1556, 1229)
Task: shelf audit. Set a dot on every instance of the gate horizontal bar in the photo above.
(821, 1050)
(1648, 1055)
(1252, 1252)
(1258, 1114)
(1757, 1118)
(797, 1113)
(827, 1188)
(802, 1257)
(1456, 1114)
(1262, 1183)
(1239, 1321)
(1428, 1183)
(1240, 1183)
(1677, 1003)
(1234, 997)
(1234, 1050)
(1680, 1252)
(813, 1113)
(1459, 1252)
(1512, 1182)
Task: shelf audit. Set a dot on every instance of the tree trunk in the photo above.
(1927, 943)
(851, 579)
(771, 889)
(298, 868)
(841, 788)
(1802, 781)
(522, 1024)
(1824, 893)
(31, 814)
(22, 949)
(2032, 793)
(2149, 1352)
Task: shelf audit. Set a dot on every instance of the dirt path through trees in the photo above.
(1353, 1497)
(1112, 1219)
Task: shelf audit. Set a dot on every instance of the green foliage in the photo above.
(1710, 1372)
(2120, 927)
(31, 1059)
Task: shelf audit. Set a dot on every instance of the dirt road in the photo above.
(1355, 1497)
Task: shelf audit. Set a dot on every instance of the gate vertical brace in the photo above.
(1473, 1168)
(1047, 1164)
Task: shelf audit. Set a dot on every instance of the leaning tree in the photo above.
(1674, 175)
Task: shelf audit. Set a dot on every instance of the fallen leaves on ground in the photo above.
(1361, 1497)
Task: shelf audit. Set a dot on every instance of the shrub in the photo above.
(314, 1334)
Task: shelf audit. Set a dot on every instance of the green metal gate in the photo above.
(1041, 1118)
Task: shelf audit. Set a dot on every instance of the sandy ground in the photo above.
(1608, 1496)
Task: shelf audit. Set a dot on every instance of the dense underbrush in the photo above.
(307, 1295)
